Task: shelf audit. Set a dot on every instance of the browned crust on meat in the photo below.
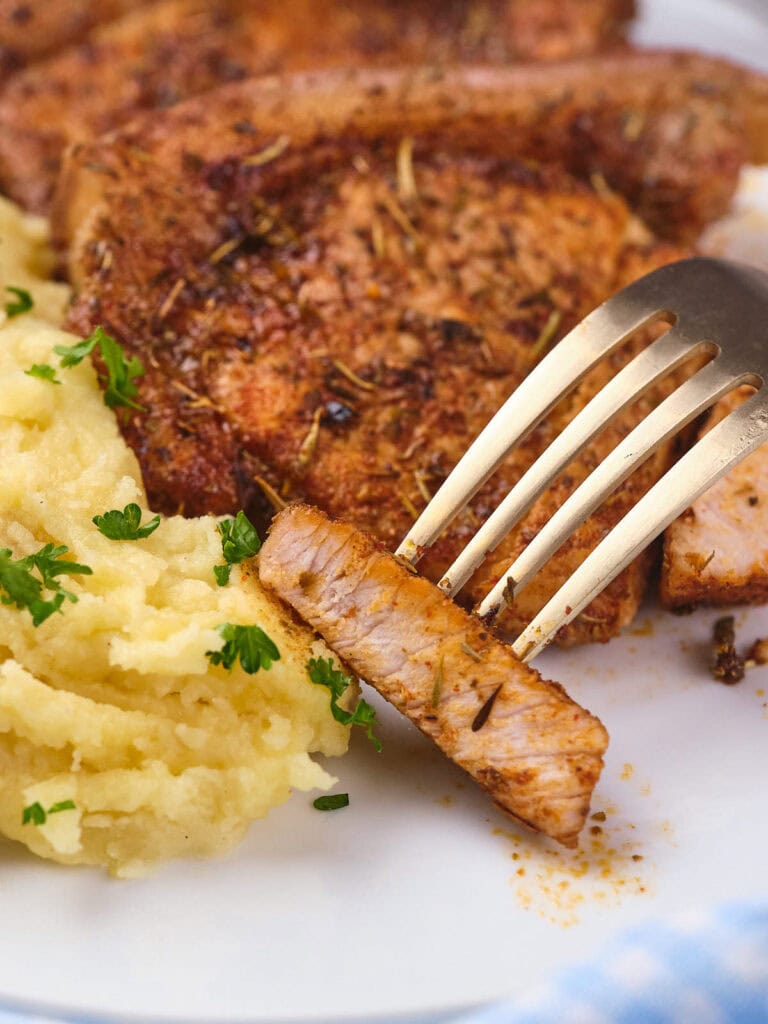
(688, 594)
(554, 30)
(537, 752)
(677, 164)
(166, 52)
(239, 380)
(31, 29)
(756, 117)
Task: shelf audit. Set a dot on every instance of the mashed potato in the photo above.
(111, 706)
(26, 262)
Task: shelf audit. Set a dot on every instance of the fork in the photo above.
(716, 309)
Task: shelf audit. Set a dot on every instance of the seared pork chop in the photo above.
(164, 52)
(335, 280)
(716, 552)
(31, 29)
(523, 739)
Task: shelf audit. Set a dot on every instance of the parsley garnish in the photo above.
(322, 672)
(72, 355)
(331, 802)
(124, 525)
(121, 372)
(22, 304)
(221, 572)
(36, 814)
(43, 371)
(248, 643)
(239, 540)
(62, 805)
(48, 564)
(24, 590)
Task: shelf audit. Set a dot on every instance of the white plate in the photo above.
(420, 897)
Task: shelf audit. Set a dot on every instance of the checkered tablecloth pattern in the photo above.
(700, 968)
(704, 967)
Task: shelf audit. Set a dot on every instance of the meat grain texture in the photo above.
(523, 739)
(158, 54)
(335, 279)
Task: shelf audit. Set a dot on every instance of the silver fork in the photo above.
(715, 308)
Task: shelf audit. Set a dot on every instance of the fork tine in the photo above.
(654, 362)
(602, 331)
(694, 396)
(740, 433)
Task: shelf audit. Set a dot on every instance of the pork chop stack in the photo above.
(107, 61)
(335, 279)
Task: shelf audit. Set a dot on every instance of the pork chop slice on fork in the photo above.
(537, 752)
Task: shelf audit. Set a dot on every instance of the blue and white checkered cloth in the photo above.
(702, 968)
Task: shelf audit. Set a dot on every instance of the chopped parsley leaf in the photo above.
(43, 371)
(36, 814)
(24, 590)
(331, 802)
(117, 525)
(239, 540)
(21, 588)
(222, 572)
(248, 643)
(72, 355)
(62, 805)
(121, 372)
(48, 563)
(322, 672)
(22, 304)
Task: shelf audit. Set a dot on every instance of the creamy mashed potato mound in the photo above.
(26, 261)
(112, 704)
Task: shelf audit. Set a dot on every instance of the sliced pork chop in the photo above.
(162, 53)
(717, 551)
(523, 739)
(331, 304)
